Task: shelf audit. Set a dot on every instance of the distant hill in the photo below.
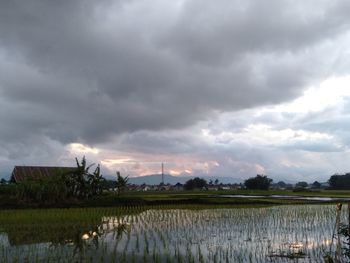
(156, 179)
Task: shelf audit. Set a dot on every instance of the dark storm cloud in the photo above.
(133, 76)
(212, 33)
(86, 70)
(159, 143)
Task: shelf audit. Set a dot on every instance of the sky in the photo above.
(222, 88)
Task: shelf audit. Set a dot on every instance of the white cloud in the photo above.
(80, 148)
(330, 93)
(264, 135)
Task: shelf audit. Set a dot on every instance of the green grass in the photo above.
(197, 193)
(152, 198)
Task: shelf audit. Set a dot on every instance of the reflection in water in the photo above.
(60, 234)
(274, 234)
(74, 239)
(291, 197)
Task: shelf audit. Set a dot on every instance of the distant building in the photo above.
(212, 187)
(22, 173)
(146, 188)
(225, 187)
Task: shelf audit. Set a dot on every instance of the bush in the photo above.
(48, 190)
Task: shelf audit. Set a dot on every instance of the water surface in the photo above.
(300, 233)
(292, 197)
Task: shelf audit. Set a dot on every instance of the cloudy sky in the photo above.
(220, 88)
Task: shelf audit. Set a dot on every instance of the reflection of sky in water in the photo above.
(284, 230)
(4, 241)
(24, 249)
(236, 235)
(311, 198)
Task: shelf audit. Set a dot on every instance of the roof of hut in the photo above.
(21, 173)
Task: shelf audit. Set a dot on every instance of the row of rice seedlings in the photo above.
(295, 237)
(225, 235)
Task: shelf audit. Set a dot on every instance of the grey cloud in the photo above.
(159, 143)
(218, 34)
(99, 69)
(333, 120)
(146, 76)
(32, 150)
(314, 146)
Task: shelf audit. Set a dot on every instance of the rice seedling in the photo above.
(167, 234)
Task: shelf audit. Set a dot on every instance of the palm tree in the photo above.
(121, 183)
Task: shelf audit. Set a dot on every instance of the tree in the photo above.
(96, 182)
(261, 182)
(301, 184)
(3, 181)
(196, 183)
(338, 181)
(216, 181)
(316, 185)
(109, 184)
(281, 184)
(121, 183)
(81, 183)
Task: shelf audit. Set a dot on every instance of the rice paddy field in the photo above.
(291, 233)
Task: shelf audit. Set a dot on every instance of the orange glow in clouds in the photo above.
(136, 164)
(139, 164)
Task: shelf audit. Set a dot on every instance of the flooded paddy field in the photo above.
(291, 197)
(293, 233)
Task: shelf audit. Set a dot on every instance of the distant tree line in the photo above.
(339, 181)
